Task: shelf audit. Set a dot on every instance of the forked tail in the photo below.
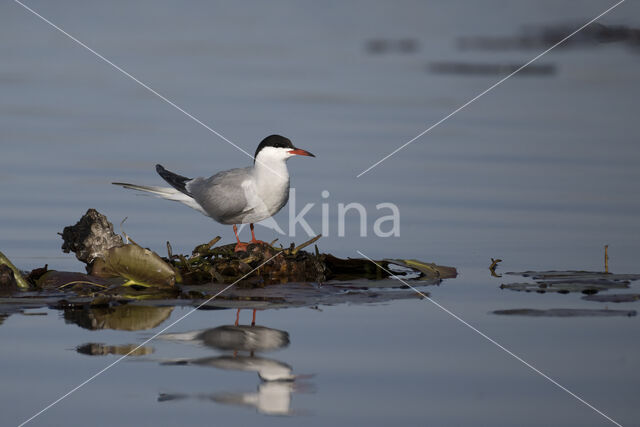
(164, 193)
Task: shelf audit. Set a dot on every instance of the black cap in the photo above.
(276, 141)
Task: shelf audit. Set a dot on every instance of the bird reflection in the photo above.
(271, 398)
(267, 369)
(235, 338)
(241, 343)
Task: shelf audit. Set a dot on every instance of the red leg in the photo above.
(240, 247)
(237, 317)
(235, 230)
(253, 321)
(253, 236)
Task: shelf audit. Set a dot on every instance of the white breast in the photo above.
(267, 190)
(264, 198)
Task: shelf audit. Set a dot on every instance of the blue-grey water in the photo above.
(542, 172)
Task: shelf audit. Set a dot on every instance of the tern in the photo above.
(235, 196)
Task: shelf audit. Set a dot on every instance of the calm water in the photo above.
(541, 172)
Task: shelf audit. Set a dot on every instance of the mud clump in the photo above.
(91, 237)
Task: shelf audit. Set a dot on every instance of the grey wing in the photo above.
(222, 195)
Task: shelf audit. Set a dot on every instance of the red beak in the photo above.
(300, 152)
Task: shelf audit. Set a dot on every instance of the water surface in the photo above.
(541, 172)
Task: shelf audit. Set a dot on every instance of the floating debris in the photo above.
(588, 282)
(575, 275)
(429, 270)
(146, 308)
(564, 282)
(565, 312)
(220, 264)
(491, 69)
(383, 46)
(492, 267)
(615, 298)
(541, 37)
(564, 287)
(120, 274)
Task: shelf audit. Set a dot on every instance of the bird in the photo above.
(235, 196)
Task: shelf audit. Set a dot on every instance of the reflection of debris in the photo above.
(116, 311)
(492, 267)
(123, 318)
(588, 282)
(576, 275)
(474, 68)
(541, 37)
(587, 287)
(613, 298)
(305, 294)
(379, 46)
(565, 312)
(98, 349)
